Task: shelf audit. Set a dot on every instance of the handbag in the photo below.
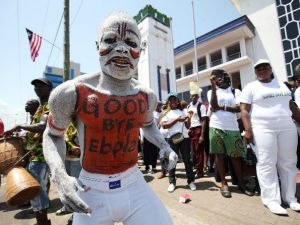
(178, 137)
(250, 159)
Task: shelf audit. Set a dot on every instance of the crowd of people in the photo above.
(262, 117)
(86, 133)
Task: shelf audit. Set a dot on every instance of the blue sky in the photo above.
(43, 17)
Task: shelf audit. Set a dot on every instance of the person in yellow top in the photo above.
(37, 165)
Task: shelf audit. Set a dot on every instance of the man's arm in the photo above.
(214, 99)
(245, 109)
(34, 128)
(204, 124)
(62, 104)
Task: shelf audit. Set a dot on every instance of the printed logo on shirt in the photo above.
(276, 94)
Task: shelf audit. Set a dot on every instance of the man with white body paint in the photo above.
(110, 107)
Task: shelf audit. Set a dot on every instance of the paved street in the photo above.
(207, 206)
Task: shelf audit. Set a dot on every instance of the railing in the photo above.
(188, 72)
(216, 62)
(233, 56)
(178, 76)
(202, 67)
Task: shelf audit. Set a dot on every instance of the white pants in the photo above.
(130, 201)
(276, 152)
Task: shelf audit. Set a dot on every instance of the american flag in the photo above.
(35, 42)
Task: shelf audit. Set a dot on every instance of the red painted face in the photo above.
(119, 48)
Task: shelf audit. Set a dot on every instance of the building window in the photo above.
(184, 96)
(178, 73)
(201, 63)
(163, 82)
(216, 58)
(72, 73)
(188, 69)
(233, 52)
(236, 80)
(204, 93)
(288, 16)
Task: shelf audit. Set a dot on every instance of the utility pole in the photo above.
(66, 41)
(195, 44)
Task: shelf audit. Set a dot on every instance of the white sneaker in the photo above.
(171, 188)
(277, 209)
(192, 186)
(295, 206)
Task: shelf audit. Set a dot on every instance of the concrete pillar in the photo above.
(207, 56)
(182, 70)
(243, 47)
(224, 55)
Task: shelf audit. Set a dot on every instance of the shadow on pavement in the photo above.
(24, 214)
(27, 213)
(6, 208)
(148, 178)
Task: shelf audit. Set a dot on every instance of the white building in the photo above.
(55, 74)
(156, 64)
(277, 32)
(227, 47)
(268, 29)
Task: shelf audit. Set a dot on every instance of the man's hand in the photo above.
(169, 154)
(248, 135)
(10, 132)
(213, 80)
(173, 158)
(67, 188)
(181, 118)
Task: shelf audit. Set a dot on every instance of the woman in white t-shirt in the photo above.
(176, 121)
(268, 125)
(224, 135)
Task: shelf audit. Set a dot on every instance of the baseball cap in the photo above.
(261, 61)
(42, 80)
(172, 94)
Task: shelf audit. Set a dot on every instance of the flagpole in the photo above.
(195, 43)
(66, 41)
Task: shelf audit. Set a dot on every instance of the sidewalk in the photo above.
(207, 206)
